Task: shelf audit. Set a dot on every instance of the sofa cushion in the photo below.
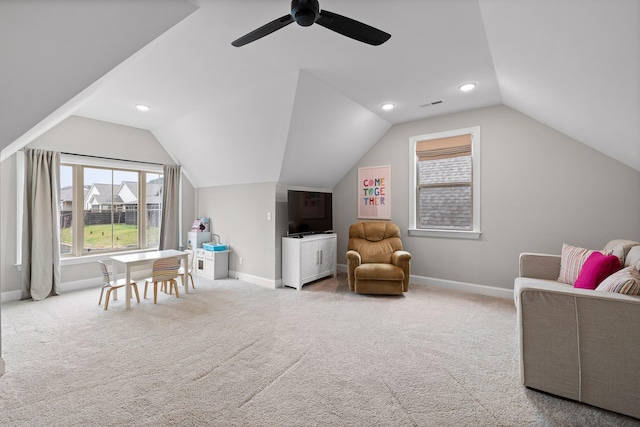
(619, 248)
(571, 261)
(633, 257)
(374, 271)
(625, 281)
(597, 268)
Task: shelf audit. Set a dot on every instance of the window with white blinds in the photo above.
(445, 184)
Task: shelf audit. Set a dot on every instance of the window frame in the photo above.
(475, 231)
(79, 162)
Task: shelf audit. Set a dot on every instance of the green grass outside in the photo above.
(99, 236)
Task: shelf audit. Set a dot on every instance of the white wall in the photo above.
(78, 135)
(540, 188)
(9, 274)
(238, 214)
(2, 251)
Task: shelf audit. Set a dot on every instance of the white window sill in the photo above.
(447, 234)
(86, 259)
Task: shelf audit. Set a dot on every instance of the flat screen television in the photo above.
(310, 212)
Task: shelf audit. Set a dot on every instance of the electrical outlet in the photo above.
(268, 216)
(240, 260)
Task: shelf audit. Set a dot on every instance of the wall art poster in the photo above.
(374, 191)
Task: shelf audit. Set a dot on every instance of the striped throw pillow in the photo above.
(625, 281)
(571, 262)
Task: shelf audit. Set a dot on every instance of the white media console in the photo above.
(308, 258)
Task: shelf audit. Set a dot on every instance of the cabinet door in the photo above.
(309, 260)
(327, 249)
(208, 264)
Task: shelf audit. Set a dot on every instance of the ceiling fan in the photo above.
(307, 12)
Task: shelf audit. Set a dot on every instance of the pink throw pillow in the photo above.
(595, 269)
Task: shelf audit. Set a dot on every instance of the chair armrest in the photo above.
(401, 259)
(354, 256)
(353, 260)
(540, 266)
(398, 257)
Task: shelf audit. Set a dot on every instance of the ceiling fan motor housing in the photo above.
(305, 12)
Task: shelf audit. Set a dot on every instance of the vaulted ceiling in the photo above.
(302, 105)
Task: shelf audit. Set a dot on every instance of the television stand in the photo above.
(308, 259)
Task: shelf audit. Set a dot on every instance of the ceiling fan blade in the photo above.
(352, 28)
(264, 30)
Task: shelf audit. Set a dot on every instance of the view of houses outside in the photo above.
(110, 210)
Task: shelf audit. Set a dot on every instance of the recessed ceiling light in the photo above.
(466, 87)
(143, 107)
(388, 106)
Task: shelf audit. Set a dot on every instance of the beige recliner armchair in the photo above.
(375, 259)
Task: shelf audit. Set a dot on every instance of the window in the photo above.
(108, 206)
(445, 184)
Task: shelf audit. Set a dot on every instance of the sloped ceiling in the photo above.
(572, 65)
(332, 137)
(53, 50)
(261, 112)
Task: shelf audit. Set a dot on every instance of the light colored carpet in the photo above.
(235, 354)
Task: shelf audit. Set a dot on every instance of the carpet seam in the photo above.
(272, 381)
(399, 403)
(233, 356)
(473, 397)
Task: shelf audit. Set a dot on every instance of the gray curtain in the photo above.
(40, 226)
(170, 206)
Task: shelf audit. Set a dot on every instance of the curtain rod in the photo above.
(111, 158)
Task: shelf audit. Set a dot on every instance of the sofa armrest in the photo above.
(572, 344)
(540, 266)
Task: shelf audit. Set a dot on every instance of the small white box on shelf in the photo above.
(196, 240)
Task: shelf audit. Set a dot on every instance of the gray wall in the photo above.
(540, 188)
(78, 135)
(238, 215)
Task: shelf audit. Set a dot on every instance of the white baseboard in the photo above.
(96, 282)
(74, 286)
(80, 284)
(473, 288)
(274, 284)
(10, 296)
(260, 281)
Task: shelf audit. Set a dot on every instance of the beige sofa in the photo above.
(578, 343)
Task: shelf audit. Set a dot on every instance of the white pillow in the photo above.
(625, 281)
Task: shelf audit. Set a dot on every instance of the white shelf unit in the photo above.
(307, 259)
